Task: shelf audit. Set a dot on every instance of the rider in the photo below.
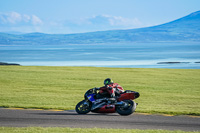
(110, 90)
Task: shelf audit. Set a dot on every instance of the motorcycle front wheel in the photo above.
(128, 109)
(83, 107)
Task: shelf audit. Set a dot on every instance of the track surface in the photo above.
(43, 118)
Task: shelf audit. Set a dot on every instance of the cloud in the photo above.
(99, 23)
(36, 20)
(118, 20)
(115, 21)
(14, 21)
(110, 22)
(14, 18)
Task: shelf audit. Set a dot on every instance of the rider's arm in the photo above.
(118, 87)
(95, 90)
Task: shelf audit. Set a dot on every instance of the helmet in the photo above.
(108, 81)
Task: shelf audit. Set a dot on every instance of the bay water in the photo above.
(180, 55)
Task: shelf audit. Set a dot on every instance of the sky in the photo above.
(79, 16)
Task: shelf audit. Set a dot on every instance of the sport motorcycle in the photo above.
(123, 104)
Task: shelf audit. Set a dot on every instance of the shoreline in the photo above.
(115, 64)
(9, 64)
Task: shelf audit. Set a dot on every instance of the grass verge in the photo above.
(165, 91)
(81, 130)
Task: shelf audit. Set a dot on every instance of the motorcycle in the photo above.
(123, 104)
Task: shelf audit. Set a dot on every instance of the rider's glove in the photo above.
(112, 95)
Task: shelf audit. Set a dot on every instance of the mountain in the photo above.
(183, 29)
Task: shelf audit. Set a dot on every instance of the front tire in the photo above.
(128, 110)
(83, 107)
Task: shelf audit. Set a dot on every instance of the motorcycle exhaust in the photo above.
(137, 94)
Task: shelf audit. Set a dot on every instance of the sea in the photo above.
(176, 55)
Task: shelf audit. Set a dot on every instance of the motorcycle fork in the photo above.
(86, 103)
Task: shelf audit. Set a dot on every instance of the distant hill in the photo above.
(183, 29)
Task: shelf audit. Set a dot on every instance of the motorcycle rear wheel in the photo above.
(83, 108)
(126, 110)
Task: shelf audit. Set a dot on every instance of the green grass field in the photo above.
(81, 130)
(165, 91)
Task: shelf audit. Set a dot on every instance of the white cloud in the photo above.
(118, 20)
(14, 18)
(26, 18)
(35, 20)
(93, 23)
(114, 21)
(99, 23)
(14, 21)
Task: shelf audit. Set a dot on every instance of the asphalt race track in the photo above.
(45, 118)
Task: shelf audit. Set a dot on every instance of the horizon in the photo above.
(71, 17)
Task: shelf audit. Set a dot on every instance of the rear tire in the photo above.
(127, 110)
(83, 108)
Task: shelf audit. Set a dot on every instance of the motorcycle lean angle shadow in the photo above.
(123, 104)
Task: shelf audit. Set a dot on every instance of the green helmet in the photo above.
(108, 81)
